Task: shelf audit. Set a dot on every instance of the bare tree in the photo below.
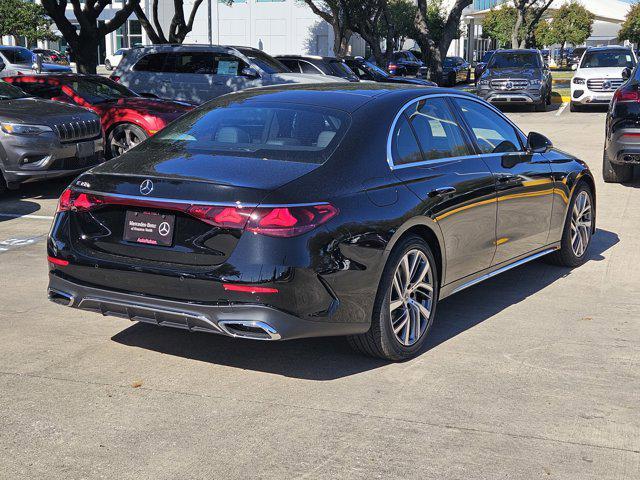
(528, 14)
(84, 41)
(434, 45)
(331, 11)
(179, 27)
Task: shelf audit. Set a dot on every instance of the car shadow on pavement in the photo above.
(331, 358)
(17, 203)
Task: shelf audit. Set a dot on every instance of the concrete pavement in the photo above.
(533, 374)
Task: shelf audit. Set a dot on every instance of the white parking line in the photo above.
(17, 215)
(561, 109)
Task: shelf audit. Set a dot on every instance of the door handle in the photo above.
(508, 178)
(438, 192)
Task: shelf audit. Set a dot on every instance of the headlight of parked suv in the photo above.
(578, 81)
(535, 83)
(22, 129)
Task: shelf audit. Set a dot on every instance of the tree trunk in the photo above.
(86, 53)
(341, 40)
(515, 34)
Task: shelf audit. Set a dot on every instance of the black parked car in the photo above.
(318, 65)
(481, 65)
(404, 63)
(366, 70)
(622, 134)
(455, 70)
(517, 77)
(285, 212)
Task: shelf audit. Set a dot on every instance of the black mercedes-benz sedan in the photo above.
(290, 212)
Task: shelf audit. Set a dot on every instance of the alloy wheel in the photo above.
(411, 297)
(123, 138)
(581, 224)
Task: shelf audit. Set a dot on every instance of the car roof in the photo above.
(517, 50)
(340, 96)
(608, 47)
(307, 57)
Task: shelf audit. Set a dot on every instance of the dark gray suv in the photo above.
(42, 139)
(516, 77)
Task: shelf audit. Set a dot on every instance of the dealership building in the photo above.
(290, 27)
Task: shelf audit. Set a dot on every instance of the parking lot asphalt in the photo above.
(533, 374)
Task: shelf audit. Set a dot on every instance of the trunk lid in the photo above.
(158, 188)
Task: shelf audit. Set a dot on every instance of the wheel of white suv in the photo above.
(612, 173)
(405, 304)
(578, 229)
(107, 65)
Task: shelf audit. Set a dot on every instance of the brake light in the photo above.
(115, 78)
(289, 221)
(227, 217)
(231, 287)
(627, 94)
(77, 201)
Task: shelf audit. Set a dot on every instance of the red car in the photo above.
(127, 118)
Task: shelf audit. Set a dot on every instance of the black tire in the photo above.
(549, 98)
(565, 256)
(107, 65)
(3, 184)
(468, 76)
(380, 341)
(612, 173)
(540, 106)
(575, 108)
(452, 80)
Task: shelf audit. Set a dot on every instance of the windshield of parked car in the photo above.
(514, 60)
(608, 59)
(9, 92)
(486, 57)
(95, 91)
(266, 62)
(298, 133)
(340, 69)
(20, 56)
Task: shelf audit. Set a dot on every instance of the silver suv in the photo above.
(20, 61)
(41, 139)
(198, 73)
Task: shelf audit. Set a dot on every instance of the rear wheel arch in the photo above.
(431, 234)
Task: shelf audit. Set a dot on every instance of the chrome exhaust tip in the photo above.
(59, 297)
(249, 329)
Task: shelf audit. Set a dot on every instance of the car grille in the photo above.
(509, 84)
(75, 163)
(74, 131)
(604, 84)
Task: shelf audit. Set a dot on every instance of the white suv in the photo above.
(599, 74)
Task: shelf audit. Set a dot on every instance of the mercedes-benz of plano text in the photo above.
(286, 212)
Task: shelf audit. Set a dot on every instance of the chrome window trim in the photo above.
(390, 162)
(319, 72)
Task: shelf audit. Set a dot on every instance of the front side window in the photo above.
(20, 56)
(608, 59)
(493, 133)
(437, 130)
(298, 133)
(307, 67)
(340, 69)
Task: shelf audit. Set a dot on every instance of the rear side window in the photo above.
(405, 148)
(492, 132)
(299, 133)
(153, 62)
(203, 63)
(437, 130)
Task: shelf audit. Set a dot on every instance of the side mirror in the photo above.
(538, 143)
(249, 73)
(574, 67)
(626, 73)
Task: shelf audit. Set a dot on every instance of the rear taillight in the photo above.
(57, 261)
(115, 78)
(289, 221)
(627, 94)
(274, 221)
(234, 287)
(392, 67)
(77, 201)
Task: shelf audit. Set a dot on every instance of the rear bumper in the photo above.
(624, 147)
(242, 320)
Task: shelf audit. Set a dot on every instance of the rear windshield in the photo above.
(297, 133)
(515, 60)
(18, 55)
(608, 59)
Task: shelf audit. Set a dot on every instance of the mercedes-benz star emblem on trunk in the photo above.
(164, 229)
(146, 187)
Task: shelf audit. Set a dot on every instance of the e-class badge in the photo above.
(146, 187)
